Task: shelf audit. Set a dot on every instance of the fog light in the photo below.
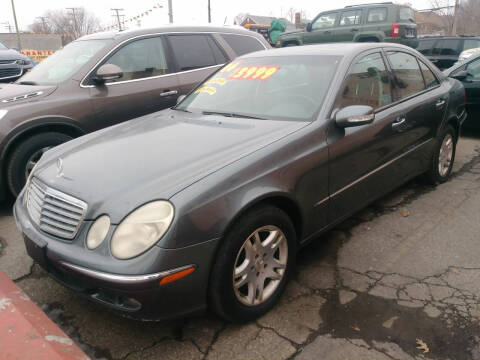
(98, 231)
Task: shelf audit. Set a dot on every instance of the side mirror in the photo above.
(461, 75)
(309, 27)
(355, 115)
(108, 72)
(180, 98)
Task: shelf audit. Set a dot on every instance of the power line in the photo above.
(117, 15)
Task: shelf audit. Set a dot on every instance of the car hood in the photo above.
(10, 54)
(16, 93)
(153, 157)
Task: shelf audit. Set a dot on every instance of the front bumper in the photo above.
(135, 295)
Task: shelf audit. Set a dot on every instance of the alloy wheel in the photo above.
(445, 155)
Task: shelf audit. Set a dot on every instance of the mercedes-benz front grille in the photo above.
(52, 211)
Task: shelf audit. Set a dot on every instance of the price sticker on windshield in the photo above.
(262, 72)
(230, 67)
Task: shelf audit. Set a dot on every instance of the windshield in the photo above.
(406, 14)
(274, 87)
(2, 47)
(64, 63)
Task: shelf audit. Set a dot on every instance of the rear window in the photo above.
(406, 14)
(242, 44)
(425, 46)
(377, 15)
(447, 47)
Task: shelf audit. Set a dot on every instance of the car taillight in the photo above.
(395, 30)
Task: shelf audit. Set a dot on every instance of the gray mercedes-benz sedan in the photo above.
(205, 204)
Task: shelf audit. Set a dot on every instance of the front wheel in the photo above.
(253, 265)
(443, 157)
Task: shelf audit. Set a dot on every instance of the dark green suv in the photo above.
(379, 22)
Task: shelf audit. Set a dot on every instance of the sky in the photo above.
(184, 11)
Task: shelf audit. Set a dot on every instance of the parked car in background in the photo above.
(205, 204)
(375, 22)
(444, 51)
(13, 64)
(464, 55)
(103, 79)
(468, 72)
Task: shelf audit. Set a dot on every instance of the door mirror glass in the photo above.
(180, 98)
(460, 75)
(309, 27)
(354, 115)
(108, 72)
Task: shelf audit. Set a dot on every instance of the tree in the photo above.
(467, 18)
(445, 10)
(63, 23)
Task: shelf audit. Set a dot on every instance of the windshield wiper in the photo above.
(27, 83)
(231, 114)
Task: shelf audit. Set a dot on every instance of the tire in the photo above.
(29, 152)
(436, 173)
(228, 301)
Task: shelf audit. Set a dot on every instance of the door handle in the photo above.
(439, 104)
(399, 121)
(169, 93)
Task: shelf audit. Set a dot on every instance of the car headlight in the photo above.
(3, 113)
(23, 62)
(140, 230)
(98, 232)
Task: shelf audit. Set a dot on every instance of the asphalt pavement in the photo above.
(399, 280)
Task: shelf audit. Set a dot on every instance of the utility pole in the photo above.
(117, 15)
(170, 12)
(455, 17)
(209, 13)
(19, 43)
(76, 32)
(44, 23)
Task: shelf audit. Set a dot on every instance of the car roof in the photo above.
(338, 49)
(127, 34)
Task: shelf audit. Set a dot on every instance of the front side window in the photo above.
(140, 59)
(407, 74)
(195, 51)
(377, 15)
(63, 64)
(447, 47)
(350, 17)
(325, 21)
(470, 44)
(271, 87)
(430, 79)
(242, 44)
(473, 70)
(367, 83)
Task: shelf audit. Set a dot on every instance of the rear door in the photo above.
(359, 155)
(196, 57)
(322, 29)
(147, 74)
(349, 25)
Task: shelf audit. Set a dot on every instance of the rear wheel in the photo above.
(443, 157)
(26, 155)
(253, 265)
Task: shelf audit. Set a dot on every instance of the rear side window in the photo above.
(141, 59)
(242, 44)
(447, 47)
(195, 51)
(408, 77)
(425, 46)
(377, 15)
(351, 17)
(430, 79)
(367, 84)
(470, 44)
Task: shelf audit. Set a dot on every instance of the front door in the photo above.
(148, 83)
(358, 155)
(322, 29)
